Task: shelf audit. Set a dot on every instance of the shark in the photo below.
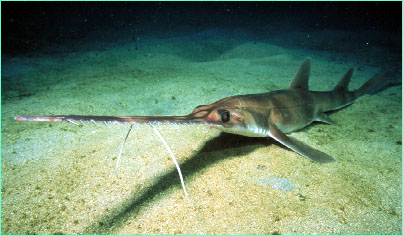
(272, 114)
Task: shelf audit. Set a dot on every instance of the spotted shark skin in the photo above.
(272, 114)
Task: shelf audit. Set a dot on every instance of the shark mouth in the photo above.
(249, 131)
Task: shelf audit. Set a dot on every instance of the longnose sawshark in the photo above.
(271, 114)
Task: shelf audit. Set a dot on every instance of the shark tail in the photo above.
(380, 81)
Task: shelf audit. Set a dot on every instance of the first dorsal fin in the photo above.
(300, 80)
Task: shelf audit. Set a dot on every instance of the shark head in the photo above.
(232, 117)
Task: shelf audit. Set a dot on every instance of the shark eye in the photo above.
(225, 115)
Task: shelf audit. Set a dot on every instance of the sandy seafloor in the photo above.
(58, 178)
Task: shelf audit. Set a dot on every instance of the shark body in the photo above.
(276, 113)
(272, 114)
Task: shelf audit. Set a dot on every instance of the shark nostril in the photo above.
(225, 115)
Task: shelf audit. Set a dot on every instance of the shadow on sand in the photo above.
(213, 151)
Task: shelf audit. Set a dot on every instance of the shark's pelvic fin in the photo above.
(300, 80)
(299, 147)
(323, 117)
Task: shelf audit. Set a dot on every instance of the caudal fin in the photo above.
(380, 81)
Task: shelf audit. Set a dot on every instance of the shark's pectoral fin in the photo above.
(299, 147)
(323, 117)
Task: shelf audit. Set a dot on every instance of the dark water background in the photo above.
(30, 26)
